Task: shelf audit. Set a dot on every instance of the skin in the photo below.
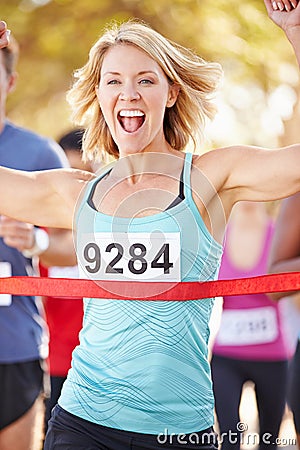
(137, 82)
(22, 434)
(4, 34)
(284, 5)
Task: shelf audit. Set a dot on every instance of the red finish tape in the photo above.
(130, 290)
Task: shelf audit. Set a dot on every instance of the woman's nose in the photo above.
(129, 93)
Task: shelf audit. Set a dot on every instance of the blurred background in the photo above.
(259, 101)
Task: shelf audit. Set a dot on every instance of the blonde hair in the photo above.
(183, 122)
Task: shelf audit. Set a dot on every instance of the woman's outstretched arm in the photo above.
(46, 198)
(257, 174)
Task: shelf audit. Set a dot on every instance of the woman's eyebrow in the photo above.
(142, 72)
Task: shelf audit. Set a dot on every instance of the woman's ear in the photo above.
(12, 82)
(173, 94)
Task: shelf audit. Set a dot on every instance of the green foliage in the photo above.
(55, 37)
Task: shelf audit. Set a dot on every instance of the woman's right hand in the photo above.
(4, 34)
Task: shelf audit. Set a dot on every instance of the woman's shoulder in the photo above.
(210, 156)
(215, 164)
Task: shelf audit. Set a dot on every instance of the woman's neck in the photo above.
(134, 167)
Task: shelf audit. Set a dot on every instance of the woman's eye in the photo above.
(113, 82)
(146, 81)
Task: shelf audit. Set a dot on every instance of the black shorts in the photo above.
(20, 385)
(69, 432)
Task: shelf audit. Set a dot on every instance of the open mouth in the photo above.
(131, 120)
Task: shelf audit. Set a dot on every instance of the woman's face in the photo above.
(133, 94)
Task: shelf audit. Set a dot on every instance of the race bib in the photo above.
(5, 271)
(63, 272)
(130, 256)
(248, 326)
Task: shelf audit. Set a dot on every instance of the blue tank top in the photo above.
(142, 366)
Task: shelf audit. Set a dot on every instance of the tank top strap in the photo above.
(90, 189)
(188, 160)
(268, 239)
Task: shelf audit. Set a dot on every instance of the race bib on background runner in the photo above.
(5, 271)
(248, 326)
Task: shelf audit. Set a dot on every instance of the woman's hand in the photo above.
(284, 13)
(19, 235)
(4, 34)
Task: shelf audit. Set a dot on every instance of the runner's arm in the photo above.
(45, 198)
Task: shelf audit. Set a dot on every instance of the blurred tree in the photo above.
(55, 36)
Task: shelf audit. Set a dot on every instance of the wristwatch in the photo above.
(41, 243)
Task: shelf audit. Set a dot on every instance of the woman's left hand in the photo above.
(4, 34)
(284, 13)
